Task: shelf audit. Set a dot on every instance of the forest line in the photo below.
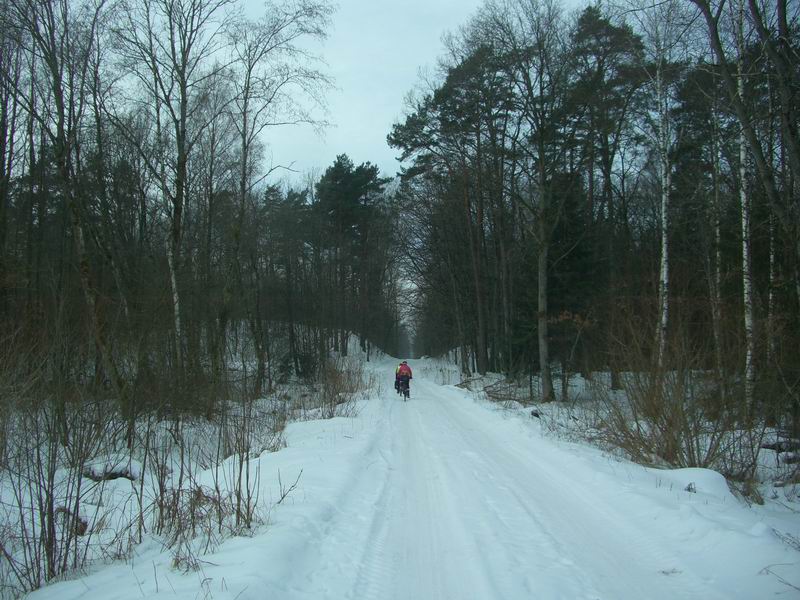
(612, 189)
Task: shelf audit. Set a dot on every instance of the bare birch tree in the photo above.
(273, 77)
(746, 219)
(170, 48)
(663, 27)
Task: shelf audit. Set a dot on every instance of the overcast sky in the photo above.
(374, 53)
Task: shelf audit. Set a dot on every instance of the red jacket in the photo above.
(404, 371)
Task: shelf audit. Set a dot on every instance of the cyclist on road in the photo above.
(402, 376)
(397, 378)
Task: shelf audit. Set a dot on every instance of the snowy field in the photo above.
(450, 496)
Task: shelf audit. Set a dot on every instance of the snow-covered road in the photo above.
(449, 497)
(465, 507)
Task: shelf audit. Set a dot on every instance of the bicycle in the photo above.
(405, 389)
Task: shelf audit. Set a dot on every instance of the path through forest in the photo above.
(468, 505)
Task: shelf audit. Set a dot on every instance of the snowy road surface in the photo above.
(446, 497)
(458, 511)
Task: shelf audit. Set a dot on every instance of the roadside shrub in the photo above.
(341, 382)
(673, 411)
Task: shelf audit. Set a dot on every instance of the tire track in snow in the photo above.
(441, 544)
(512, 554)
(328, 569)
(374, 570)
(417, 546)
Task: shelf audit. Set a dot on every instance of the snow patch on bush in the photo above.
(695, 480)
(114, 466)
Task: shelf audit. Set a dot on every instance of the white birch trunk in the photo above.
(176, 303)
(773, 263)
(772, 302)
(747, 279)
(715, 270)
(666, 182)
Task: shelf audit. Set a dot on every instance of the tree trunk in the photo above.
(747, 277)
(8, 123)
(544, 345)
(176, 302)
(714, 267)
(666, 177)
(480, 349)
(290, 315)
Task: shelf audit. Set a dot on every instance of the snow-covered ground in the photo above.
(447, 496)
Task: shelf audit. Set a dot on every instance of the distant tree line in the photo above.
(623, 181)
(142, 250)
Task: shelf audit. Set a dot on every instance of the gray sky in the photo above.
(374, 53)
